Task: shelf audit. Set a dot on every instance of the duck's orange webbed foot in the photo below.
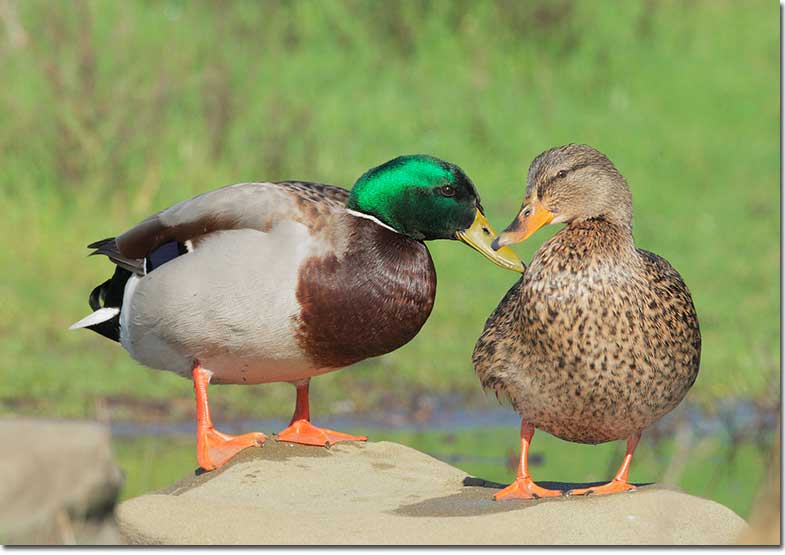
(614, 486)
(619, 484)
(214, 449)
(525, 488)
(305, 433)
(300, 429)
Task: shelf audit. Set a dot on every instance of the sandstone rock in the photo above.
(384, 493)
(59, 483)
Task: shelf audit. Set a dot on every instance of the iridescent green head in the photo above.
(419, 196)
(426, 198)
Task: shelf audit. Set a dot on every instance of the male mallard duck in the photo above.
(598, 339)
(269, 282)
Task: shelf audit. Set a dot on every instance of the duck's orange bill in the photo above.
(531, 218)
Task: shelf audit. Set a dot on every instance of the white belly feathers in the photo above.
(230, 304)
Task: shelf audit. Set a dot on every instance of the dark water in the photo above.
(728, 418)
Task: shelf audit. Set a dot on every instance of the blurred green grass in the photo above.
(112, 110)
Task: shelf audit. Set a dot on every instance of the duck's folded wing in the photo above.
(246, 205)
(108, 247)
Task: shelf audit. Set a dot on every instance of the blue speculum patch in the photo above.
(164, 253)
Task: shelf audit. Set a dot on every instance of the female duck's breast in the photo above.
(605, 359)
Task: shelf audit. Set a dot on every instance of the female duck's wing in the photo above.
(498, 354)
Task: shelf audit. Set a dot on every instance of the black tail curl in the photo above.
(110, 293)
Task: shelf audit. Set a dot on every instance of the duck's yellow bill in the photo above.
(531, 218)
(480, 236)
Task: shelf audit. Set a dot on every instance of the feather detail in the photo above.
(100, 315)
(108, 247)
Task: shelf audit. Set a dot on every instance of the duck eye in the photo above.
(561, 174)
(527, 212)
(448, 191)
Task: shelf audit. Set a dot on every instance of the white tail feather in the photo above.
(100, 315)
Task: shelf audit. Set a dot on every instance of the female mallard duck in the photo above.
(598, 339)
(269, 282)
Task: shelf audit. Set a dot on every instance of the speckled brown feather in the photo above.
(597, 340)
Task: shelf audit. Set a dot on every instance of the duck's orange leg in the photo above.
(214, 448)
(524, 487)
(619, 482)
(300, 429)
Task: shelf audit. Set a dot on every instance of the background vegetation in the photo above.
(112, 110)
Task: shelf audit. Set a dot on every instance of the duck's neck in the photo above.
(602, 225)
(374, 219)
(595, 238)
(617, 217)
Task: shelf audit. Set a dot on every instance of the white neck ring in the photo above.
(369, 217)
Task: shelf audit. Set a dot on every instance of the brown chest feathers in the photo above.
(596, 341)
(367, 301)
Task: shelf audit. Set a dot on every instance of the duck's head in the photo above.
(425, 198)
(567, 184)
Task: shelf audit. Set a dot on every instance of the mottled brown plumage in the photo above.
(598, 339)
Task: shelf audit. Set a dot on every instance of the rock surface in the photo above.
(385, 493)
(59, 483)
